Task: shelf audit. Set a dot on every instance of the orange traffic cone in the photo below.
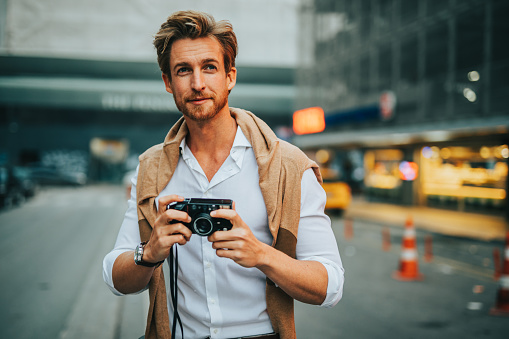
(502, 303)
(408, 264)
(428, 248)
(348, 228)
(386, 239)
(496, 263)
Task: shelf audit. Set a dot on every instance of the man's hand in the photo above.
(303, 280)
(239, 243)
(129, 277)
(165, 233)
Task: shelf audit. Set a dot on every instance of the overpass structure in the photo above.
(74, 72)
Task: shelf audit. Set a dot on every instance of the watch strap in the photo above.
(138, 256)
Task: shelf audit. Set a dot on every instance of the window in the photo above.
(437, 39)
(409, 62)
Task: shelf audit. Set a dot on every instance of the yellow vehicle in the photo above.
(339, 194)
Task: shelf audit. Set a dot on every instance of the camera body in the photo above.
(199, 211)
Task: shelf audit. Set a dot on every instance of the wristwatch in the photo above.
(138, 256)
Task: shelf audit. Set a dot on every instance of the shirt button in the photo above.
(208, 264)
(215, 331)
(212, 301)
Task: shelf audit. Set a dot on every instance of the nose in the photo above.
(198, 82)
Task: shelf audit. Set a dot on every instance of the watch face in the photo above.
(138, 257)
(138, 254)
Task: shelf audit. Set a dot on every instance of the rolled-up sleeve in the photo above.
(127, 240)
(316, 240)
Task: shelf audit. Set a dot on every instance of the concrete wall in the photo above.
(123, 29)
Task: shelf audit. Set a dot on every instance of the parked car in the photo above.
(4, 184)
(11, 191)
(54, 176)
(27, 183)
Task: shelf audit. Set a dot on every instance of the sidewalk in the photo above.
(454, 223)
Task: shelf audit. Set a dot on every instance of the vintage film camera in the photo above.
(199, 211)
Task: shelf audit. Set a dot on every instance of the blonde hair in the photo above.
(194, 25)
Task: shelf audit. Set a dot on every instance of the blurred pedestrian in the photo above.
(235, 283)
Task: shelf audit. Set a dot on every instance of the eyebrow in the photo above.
(203, 62)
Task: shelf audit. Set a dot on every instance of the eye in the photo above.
(210, 68)
(183, 70)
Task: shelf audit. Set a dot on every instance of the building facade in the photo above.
(79, 81)
(415, 97)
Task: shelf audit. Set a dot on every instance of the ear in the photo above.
(167, 83)
(231, 78)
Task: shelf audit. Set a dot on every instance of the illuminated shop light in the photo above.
(435, 152)
(445, 153)
(427, 152)
(469, 94)
(408, 170)
(383, 181)
(485, 152)
(505, 152)
(464, 191)
(322, 156)
(474, 76)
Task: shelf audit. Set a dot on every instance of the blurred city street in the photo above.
(402, 105)
(52, 285)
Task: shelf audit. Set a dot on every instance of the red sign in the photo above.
(387, 105)
(309, 120)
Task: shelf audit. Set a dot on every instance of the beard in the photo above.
(203, 112)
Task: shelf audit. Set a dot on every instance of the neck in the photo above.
(211, 141)
(212, 136)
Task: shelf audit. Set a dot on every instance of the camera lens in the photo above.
(203, 224)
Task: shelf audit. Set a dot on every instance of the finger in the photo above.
(224, 213)
(227, 245)
(175, 229)
(167, 199)
(159, 246)
(171, 215)
(234, 234)
(226, 253)
(230, 215)
(180, 239)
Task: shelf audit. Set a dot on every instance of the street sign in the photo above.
(387, 105)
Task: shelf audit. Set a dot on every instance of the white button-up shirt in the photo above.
(217, 297)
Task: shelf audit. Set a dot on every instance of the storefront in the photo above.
(464, 178)
(453, 176)
(382, 180)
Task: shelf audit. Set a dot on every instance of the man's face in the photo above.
(199, 82)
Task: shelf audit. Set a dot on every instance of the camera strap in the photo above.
(174, 268)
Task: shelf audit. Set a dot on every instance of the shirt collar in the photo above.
(239, 142)
(240, 139)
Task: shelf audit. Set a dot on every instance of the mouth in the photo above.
(198, 101)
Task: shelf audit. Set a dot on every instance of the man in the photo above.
(240, 282)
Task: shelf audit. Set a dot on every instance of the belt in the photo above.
(261, 336)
